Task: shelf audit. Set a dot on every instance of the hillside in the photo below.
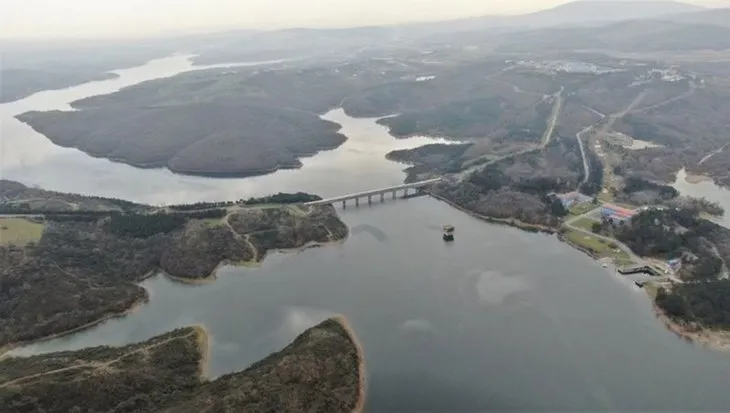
(715, 17)
(85, 265)
(583, 12)
(212, 138)
(319, 371)
(218, 122)
(631, 36)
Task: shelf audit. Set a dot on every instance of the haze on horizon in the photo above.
(56, 19)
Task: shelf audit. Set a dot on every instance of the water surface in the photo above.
(498, 320)
(706, 189)
(29, 157)
(501, 319)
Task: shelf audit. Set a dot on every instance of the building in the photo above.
(617, 213)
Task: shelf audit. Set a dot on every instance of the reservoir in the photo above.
(499, 320)
(27, 156)
(706, 189)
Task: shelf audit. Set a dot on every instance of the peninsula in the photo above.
(82, 257)
(321, 370)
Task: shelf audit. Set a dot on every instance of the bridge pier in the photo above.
(344, 204)
(394, 195)
(382, 197)
(357, 202)
(370, 199)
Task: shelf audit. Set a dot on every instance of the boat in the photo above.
(448, 233)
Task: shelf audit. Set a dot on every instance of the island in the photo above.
(321, 370)
(82, 257)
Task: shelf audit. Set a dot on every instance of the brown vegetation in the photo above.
(518, 187)
(82, 270)
(320, 371)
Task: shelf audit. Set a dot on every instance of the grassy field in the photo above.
(19, 231)
(581, 209)
(598, 246)
(212, 222)
(585, 223)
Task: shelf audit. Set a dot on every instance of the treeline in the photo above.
(143, 226)
(283, 198)
(146, 225)
(491, 179)
(705, 303)
(202, 205)
(634, 184)
(280, 198)
(80, 216)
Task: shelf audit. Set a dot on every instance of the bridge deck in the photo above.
(374, 192)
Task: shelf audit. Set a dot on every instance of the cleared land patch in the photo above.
(19, 231)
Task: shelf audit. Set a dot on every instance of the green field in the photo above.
(581, 209)
(585, 223)
(212, 222)
(598, 246)
(19, 231)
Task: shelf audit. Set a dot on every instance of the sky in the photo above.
(42, 19)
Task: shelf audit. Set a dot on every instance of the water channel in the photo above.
(499, 320)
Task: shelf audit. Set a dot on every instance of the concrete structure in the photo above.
(381, 193)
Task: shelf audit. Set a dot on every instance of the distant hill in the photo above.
(585, 12)
(638, 35)
(717, 17)
(576, 13)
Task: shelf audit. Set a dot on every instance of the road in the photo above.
(692, 88)
(586, 169)
(545, 141)
(557, 107)
(623, 247)
(605, 124)
(706, 158)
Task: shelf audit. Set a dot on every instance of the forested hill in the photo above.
(213, 123)
(320, 371)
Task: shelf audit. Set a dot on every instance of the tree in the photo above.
(596, 227)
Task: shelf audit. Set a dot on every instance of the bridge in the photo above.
(376, 192)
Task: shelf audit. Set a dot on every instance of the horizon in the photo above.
(44, 20)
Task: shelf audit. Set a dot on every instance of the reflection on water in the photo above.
(500, 320)
(31, 158)
(493, 287)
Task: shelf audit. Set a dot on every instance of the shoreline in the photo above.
(712, 339)
(203, 341)
(212, 277)
(362, 374)
(164, 165)
(512, 222)
(697, 178)
(133, 308)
